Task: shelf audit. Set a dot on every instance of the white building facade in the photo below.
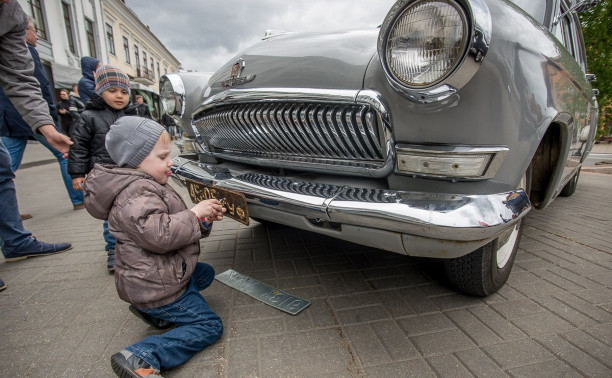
(71, 29)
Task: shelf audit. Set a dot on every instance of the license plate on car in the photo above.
(234, 202)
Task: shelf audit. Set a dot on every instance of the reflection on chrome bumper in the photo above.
(447, 225)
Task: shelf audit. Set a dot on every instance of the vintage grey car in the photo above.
(432, 135)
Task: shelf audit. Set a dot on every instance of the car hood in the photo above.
(335, 60)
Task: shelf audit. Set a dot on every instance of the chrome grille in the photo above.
(335, 134)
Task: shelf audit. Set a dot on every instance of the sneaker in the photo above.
(128, 365)
(110, 261)
(2, 285)
(37, 248)
(25, 216)
(78, 206)
(155, 322)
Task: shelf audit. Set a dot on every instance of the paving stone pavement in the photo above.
(373, 313)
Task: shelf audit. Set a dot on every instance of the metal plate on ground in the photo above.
(262, 292)
(234, 202)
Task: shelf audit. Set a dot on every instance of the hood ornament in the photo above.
(235, 78)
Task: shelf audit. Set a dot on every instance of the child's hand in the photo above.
(210, 209)
(77, 183)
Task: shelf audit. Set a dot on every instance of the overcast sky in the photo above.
(204, 34)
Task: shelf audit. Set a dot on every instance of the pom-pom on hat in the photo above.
(111, 76)
(131, 139)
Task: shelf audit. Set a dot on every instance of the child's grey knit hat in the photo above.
(131, 139)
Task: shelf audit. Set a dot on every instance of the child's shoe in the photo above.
(128, 365)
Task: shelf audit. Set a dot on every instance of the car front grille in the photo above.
(317, 133)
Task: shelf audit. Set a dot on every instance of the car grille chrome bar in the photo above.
(289, 132)
(343, 132)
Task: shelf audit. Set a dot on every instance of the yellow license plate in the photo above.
(234, 202)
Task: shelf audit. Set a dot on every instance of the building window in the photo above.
(68, 24)
(91, 39)
(126, 50)
(37, 14)
(165, 71)
(152, 68)
(158, 75)
(110, 39)
(136, 56)
(144, 60)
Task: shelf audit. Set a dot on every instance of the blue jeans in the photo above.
(16, 147)
(13, 236)
(199, 326)
(108, 237)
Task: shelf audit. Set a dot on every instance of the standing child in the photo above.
(157, 268)
(109, 102)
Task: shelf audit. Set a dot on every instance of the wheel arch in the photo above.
(548, 161)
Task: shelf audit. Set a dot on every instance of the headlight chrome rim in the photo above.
(172, 94)
(476, 39)
(431, 50)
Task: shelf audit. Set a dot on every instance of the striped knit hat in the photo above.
(110, 76)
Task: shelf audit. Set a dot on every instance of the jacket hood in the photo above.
(88, 66)
(103, 185)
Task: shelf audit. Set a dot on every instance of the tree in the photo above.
(597, 30)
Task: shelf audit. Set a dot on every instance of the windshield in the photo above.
(537, 9)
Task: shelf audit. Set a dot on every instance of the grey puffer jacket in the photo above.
(157, 236)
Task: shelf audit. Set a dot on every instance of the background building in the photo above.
(135, 49)
(105, 29)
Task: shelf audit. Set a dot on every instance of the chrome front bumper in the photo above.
(417, 224)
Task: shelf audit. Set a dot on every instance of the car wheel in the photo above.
(487, 269)
(572, 184)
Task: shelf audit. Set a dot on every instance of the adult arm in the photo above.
(16, 69)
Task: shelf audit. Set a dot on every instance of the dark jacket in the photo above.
(143, 110)
(89, 135)
(87, 84)
(73, 107)
(157, 236)
(12, 123)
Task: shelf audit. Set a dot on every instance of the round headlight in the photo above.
(425, 42)
(172, 93)
(168, 97)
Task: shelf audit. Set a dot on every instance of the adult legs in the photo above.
(76, 196)
(199, 326)
(16, 242)
(15, 147)
(12, 234)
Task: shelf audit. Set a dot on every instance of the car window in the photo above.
(537, 9)
(568, 32)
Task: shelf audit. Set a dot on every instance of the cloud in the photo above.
(203, 35)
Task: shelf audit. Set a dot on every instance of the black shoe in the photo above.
(37, 248)
(157, 323)
(110, 261)
(2, 285)
(128, 365)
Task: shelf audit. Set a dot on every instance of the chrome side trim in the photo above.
(346, 132)
(457, 218)
(479, 18)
